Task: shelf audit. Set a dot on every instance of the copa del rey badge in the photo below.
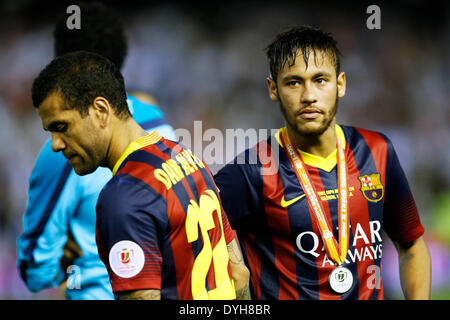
(371, 187)
(126, 259)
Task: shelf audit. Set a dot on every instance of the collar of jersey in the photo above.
(327, 163)
(146, 140)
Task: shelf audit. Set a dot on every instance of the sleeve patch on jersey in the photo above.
(126, 259)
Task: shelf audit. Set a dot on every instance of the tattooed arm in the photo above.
(415, 269)
(150, 294)
(239, 271)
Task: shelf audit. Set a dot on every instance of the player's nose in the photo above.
(57, 143)
(309, 95)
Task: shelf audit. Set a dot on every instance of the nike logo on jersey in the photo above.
(285, 204)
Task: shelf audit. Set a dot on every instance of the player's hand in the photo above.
(71, 252)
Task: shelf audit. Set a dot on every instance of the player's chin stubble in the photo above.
(328, 118)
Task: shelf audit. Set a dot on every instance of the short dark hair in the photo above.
(80, 77)
(101, 31)
(285, 45)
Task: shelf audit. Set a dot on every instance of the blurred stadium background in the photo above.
(205, 61)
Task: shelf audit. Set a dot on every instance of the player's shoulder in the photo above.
(124, 194)
(356, 135)
(245, 167)
(123, 187)
(126, 201)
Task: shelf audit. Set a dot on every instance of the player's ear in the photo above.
(102, 111)
(341, 84)
(272, 87)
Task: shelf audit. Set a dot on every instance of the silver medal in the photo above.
(341, 280)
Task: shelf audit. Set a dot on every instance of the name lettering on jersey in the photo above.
(172, 172)
(364, 246)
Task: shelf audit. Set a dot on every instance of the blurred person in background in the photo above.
(310, 203)
(57, 246)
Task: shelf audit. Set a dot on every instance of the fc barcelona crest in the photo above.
(371, 187)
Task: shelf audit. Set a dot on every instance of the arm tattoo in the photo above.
(235, 255)
(243, 294)
(239, 270)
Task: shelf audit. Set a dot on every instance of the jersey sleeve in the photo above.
(45, 227)
(237, 192)
(130, 224)
(401, 218)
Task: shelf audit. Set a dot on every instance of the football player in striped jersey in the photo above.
(309, 204)
(161, 230)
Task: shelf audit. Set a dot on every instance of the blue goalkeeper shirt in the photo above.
(61, 202)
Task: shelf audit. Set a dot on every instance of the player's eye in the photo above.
(58, 127)
(293, 83)
(321, 80)
(62, 128)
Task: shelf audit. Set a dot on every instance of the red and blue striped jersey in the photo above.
(280, 241)
(161, 225)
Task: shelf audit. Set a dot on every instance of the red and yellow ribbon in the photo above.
(335, 252)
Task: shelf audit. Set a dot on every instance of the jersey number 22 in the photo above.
(201, 215)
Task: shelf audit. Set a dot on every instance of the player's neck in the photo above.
(322, 145)
(124, 133)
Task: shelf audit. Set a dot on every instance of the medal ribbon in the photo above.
(335, 252)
